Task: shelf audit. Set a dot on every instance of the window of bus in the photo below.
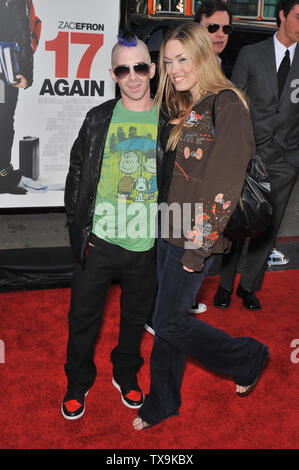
(196, 5)
(269, 8)
(247, 8)
(139, 6)
(176, 6)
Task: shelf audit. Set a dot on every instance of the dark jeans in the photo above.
(7, 112)
(178, 334)
(137, 273)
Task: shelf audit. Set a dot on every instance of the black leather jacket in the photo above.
(15, 27)
(84, 173)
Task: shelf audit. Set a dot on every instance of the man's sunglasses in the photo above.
(122, 71)
(212, 28)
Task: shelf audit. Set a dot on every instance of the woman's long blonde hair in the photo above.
(197, 44)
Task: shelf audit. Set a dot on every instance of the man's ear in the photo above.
(152, 69)
(281, 16)
(113, 75)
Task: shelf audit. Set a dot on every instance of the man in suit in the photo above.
(266, 72)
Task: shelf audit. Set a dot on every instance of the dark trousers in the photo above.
(137, 274)
(282, 176)
(179, 334)
(7, 112)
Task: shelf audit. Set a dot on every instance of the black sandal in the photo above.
(248, 388)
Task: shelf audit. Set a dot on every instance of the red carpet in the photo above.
(33, 327)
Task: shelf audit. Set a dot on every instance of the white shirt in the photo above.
(280, 50)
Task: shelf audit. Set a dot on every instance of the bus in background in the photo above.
(253, 21)
(260, 10)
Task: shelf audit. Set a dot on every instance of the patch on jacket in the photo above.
(196, 131)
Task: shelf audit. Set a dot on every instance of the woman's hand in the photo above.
(188, 269)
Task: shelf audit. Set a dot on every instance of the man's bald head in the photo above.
(134, 84)
(118, 48)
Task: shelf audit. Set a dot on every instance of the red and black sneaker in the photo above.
(73, 405)
(131, 395)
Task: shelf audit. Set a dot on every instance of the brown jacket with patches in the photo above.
(208, 172)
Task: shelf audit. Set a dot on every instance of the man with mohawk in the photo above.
(113, 143)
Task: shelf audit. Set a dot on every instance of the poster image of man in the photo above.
(16, 72)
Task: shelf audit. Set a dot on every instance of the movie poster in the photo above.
(63, 74)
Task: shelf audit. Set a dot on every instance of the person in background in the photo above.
(195, 171)
(180, 6)
(112, 164)
(216, 16)
(14, 28)
(275, 118)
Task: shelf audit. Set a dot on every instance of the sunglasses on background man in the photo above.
(213, 28)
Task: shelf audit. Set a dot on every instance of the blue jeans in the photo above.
(178, 334)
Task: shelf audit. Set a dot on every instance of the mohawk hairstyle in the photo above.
(127, 38)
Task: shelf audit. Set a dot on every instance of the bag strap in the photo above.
(213, 112)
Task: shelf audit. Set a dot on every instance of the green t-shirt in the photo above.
(126, 201)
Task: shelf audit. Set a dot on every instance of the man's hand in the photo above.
(22, 83)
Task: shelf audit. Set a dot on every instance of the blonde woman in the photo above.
(200, 167)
